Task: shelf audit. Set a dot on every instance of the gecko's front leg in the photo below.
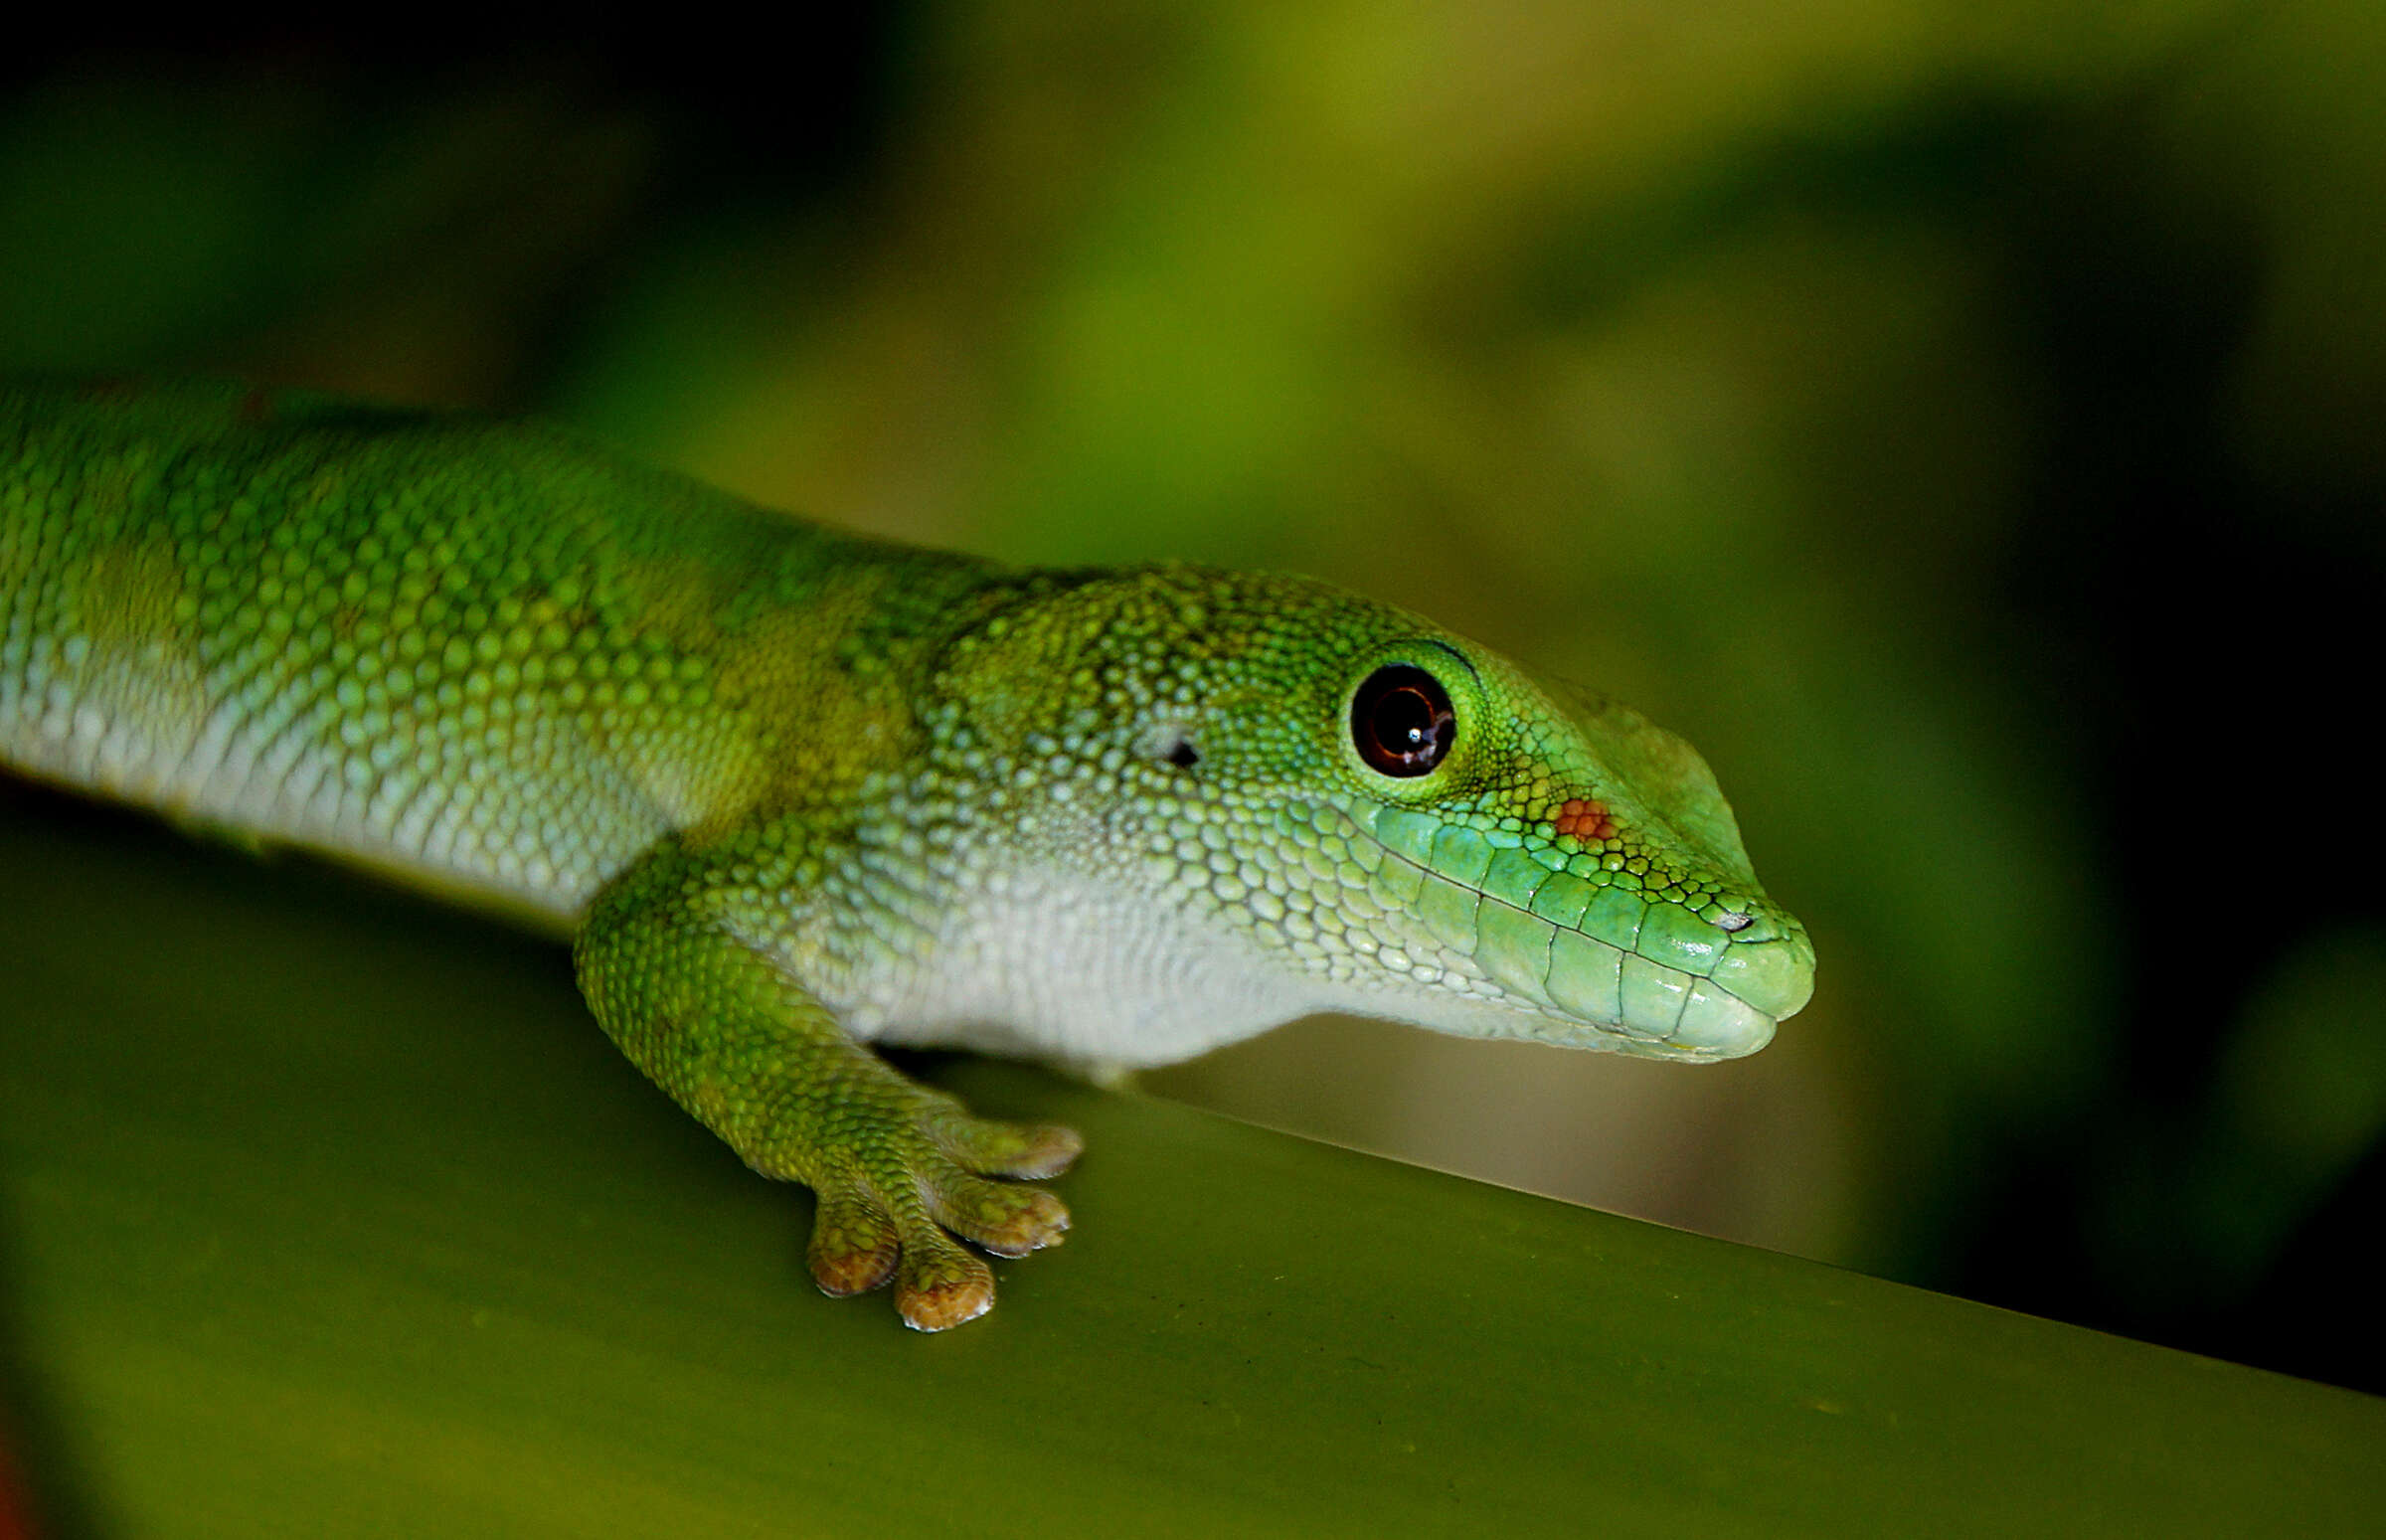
(900, 1169)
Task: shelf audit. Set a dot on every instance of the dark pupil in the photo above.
(1401, 721)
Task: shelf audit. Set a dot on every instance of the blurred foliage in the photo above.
(1958, 421)
(261, 1290)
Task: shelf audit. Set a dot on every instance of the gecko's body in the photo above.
(790, 789)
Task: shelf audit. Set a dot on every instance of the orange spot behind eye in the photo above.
(1585, 821)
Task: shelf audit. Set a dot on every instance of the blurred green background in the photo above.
(1962, 423)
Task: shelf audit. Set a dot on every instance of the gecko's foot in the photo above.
(893, 1210)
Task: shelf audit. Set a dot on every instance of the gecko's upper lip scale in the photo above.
(1765, 974)
(1589, 963)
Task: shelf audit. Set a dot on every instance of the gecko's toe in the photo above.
(991, 1149)
(941, 1283)
(1006, 1220)
(854, 1246)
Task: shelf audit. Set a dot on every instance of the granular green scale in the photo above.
(793, 791)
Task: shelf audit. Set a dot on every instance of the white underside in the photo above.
(220, 765)
(1063, 965)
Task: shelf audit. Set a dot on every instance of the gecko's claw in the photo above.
(895, 1204)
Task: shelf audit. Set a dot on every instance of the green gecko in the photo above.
(793, 791)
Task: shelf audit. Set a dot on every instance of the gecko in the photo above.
(791, 793)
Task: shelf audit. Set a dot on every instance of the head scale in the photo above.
(1396, 820)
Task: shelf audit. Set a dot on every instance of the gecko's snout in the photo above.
(1702, 997)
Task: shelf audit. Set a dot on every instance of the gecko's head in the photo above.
(1417, 827)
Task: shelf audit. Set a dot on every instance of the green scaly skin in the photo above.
(794, 791)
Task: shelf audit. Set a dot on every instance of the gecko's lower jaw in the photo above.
(1702, 1024)
(1679, 991)
(1716, 1024)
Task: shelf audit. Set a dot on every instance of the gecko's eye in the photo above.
(1401, 721)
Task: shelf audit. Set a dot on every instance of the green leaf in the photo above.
(324, 1212)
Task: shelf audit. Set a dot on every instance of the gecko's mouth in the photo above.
(1604, 966)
